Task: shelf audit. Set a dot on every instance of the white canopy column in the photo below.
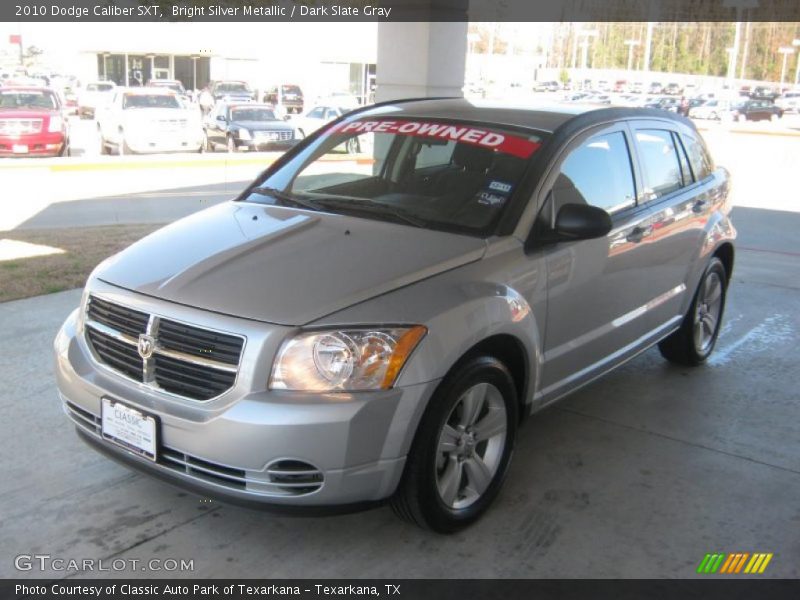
(420, 59)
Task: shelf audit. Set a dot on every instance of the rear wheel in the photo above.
(462, 449)
(693, 343)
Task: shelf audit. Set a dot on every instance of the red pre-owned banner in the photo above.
(465, 134)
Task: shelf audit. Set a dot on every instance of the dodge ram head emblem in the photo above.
(146, 345)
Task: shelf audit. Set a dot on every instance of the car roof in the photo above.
(539, 116)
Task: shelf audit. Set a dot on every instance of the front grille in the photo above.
(163, 125)
(274, 135)
(116, 354)
(193, 381)
(202, 469)
(200, 342)
(20, 126)
(121, 318)
(183, 360)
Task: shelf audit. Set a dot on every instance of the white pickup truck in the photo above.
(148, 120)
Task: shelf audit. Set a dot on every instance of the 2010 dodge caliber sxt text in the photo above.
(374, 315)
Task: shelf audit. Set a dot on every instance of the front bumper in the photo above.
(263, 145)
(180, 141)
(230, 447)
(39, 144)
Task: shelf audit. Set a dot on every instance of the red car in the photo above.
(32, 123)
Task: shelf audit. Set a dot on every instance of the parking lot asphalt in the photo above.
(637, 475)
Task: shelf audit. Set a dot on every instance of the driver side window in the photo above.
(598, 173)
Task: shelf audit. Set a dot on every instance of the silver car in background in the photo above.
(357, 327)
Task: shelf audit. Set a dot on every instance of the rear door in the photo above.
(597, 289)
(680, 204)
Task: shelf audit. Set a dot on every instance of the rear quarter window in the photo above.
(700, 160)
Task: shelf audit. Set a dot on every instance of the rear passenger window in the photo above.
(662, 171)
(597, 173)
(698, 157)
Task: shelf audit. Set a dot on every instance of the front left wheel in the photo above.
(462, 449)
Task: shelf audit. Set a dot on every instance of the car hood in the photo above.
(282, 265)
(262, 125)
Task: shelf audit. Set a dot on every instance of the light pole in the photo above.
(796, 44)
(631, 44)
(786, 51)
(587, 33)
(647, 44)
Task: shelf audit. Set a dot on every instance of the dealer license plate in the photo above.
(129, 428)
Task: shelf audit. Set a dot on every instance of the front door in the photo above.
(597, 289)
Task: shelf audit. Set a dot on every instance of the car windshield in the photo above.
(28, 99)
(149, 101)
(252, 114)
(291, 89)
(438, 175)
(232, 87)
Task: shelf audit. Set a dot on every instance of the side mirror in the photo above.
(287, 118)
(222, 119)
(582, 222)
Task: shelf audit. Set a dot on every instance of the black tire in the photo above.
(682, 346)
(352, 146)
(418, 499)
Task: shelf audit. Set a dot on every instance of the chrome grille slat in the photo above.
(187, 361)
(20, 126)
(124, 320)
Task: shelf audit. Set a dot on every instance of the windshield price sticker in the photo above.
(502, 142)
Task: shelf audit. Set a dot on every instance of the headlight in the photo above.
(346, 360)
(56, 124)
(244, 134)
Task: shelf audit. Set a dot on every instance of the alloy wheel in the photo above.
(471, 445)
(707, 312)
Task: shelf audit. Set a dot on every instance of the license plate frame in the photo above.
(130, 428)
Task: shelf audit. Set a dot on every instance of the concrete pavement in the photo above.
(638, 475)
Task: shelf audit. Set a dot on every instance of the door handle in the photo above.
(638, 233)
(699, 206)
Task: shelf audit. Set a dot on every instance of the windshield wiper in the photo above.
(368, 206)
(286, 197)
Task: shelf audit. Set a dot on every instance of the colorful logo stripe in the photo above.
(734, 563)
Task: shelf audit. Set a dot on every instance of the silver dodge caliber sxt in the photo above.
(373, 316)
